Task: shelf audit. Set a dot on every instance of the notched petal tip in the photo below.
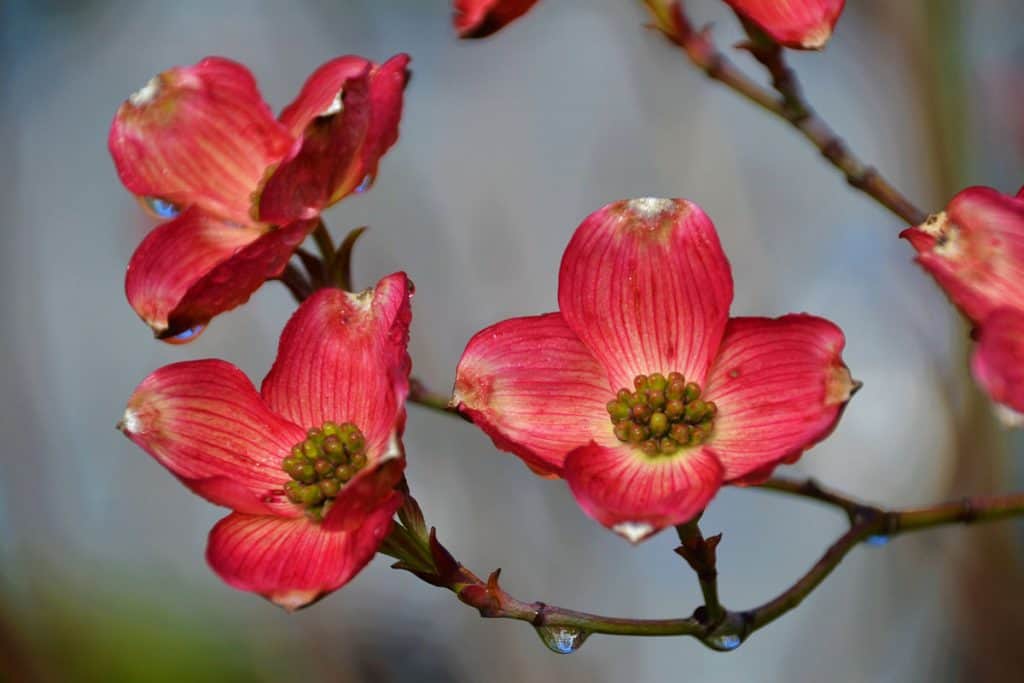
(840, 386)
(634, 532)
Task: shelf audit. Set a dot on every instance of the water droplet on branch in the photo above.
(562, 639)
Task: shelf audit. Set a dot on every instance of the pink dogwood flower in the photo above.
(481, 18)
(307, 464)
(975, 251)
(641, 391)
(797, 24)
(199, 145)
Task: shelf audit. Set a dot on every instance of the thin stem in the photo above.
(700, 555)
(421, 395)
(292, 278)
(706, 623)
(325, 245)
(791, 107)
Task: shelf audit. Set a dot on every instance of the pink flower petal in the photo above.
(320, 90)
(998, 360)
(636, 495)
(975, 250)
(204, 421)
(199, 135)
(480, 18)
(195, 267)
(340, 151)
(294, 562)
(780, 386)
(800, 24)
(343, 358)
(534, 388)
(645, 285)
(364, 493)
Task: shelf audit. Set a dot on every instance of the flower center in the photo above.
(662, 414)
(322, 464)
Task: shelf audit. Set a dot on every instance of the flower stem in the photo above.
(493, 602)
(700, 554)
(421, 395)
(791, 106)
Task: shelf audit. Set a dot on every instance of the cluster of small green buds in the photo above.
(322, 464)
(662, 414)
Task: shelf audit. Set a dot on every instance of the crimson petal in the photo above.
(480, 18)
(532, 385)
(199, 135)
(799, 24)
(998, 360)
(645, 285)
(204, 421)
(343, 358)
(294, 562)
(636, 495)
(975, 250)
(780, 386)
(196, 266)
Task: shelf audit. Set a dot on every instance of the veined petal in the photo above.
(343, 358)
(365, 492)
(799, 24)
(975, 250)
(998, 360)
(199, 135)
(196, 266)
(780, 386)
(204, 421)
(636, 495)
(294, 562)
(480, 18)
(342, 146)
(645, 285)
(319, 94)
(532, 385)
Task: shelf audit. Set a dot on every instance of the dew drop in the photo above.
(185, 337)
(365, 184)
(562, 639)
(727, 636)
(724, 642)
(876, 541)
(161, 208)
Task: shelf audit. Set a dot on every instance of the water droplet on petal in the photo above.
(364, 185)
(161, 208)
(562, 639)
(876, 541)
(185, 337)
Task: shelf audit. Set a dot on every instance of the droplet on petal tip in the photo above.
(159, 207)
(184, 337)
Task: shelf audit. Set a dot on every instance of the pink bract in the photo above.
(480, 18)
(645, 288)
(200, 144)
(798, 24)
(342, 358)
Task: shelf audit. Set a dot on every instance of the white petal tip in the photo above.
(649, 207)
(129, 423)
(146, 93)
(634, 532)
(1008, 416)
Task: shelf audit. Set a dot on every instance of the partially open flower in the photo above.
(798, 24)
(200, 146)
(975, 251)
(641, 391)
(309, 463)
(480, 18)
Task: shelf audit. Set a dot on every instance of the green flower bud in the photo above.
(622, 430)
(640, 381)
(657, 382)
(359, 461)
(293, 490)
(619, 410)
(322, 466)
(642, 412)
(656, 399)
(674, 409)
(680, 434)
(312, 495)
(676, 377)
(694, 412)
(697, 436)
(330, 487)
(343, 472)
(304, 472)
(637, 433)
(330, 428)
(692, 392)
(650, 447)
(310, 450)
(659, 424)
(668, 445)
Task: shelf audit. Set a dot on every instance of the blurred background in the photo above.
(506, 145)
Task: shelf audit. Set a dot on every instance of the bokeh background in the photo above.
(506, 145)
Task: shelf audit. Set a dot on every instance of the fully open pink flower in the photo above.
(641, 391)
(799, 24)
(480, 18)
(309, 463)
(199, 145)
(975, 251)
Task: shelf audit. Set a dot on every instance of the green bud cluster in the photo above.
(323, 463)
(662, 414)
